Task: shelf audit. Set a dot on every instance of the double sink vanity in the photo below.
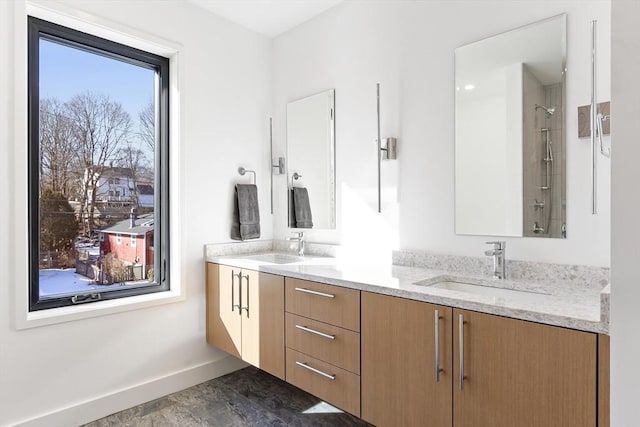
(436, 340)
(414, 345)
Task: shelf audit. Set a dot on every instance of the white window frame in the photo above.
(134, 238)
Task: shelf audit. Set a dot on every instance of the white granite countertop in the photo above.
(550, 302)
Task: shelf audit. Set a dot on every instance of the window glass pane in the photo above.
(97, 171)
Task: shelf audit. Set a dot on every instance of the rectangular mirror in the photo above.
(311, 161)
(510, 133)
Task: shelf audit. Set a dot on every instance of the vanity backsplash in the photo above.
(235, 248)
(578, 275)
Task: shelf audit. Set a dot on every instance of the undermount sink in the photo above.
(275, 258)
(481, 287)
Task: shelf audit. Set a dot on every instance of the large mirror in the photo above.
(510, 133)
(311, 161)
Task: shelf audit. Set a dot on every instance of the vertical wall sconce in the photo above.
(386, 150)
(279, 162)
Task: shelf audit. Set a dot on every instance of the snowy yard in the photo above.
(56, 281)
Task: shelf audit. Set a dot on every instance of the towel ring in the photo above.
(243, 171)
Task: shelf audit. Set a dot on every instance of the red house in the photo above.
(130, 241)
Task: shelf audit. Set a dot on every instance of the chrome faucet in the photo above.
(498, 254)
(300, 238)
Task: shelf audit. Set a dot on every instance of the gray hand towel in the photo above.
(302, 208)
(292, 210)
(246, 216)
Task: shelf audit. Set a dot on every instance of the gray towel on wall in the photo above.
(246, 214)
(292, 210)
(302, 208)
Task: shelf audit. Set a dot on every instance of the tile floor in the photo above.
(248, 397)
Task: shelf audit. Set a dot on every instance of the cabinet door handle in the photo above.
(313, 331)
(461, 351)
(240, 292)
(320, 294)
(247, 306)
(437, 369)
(317, 371)
(233, 293)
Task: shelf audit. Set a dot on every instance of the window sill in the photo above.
(102, 308)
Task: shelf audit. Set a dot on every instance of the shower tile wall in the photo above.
(534, 151)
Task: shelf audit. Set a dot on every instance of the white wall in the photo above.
(408, 48)
(226, 100)
(487, 157)
(625, 204)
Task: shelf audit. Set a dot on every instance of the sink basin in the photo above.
(275, 258)
(482, 287)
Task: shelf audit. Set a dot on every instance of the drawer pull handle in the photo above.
(317, 371)
(313, 331)
(320, 294)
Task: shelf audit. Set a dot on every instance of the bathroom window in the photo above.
(98, 115)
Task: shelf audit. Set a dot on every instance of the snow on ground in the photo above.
(56, 281)
(88, 247)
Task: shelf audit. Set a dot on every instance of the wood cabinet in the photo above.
(330, 383)
(515, 373)
(245, 315)
(400, 362)
(323, 341)
(604, 409)
(330, 304)
(399, 347)
(518, 373)
(337, 346)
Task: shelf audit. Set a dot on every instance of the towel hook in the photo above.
(296, 176)
(243, 171)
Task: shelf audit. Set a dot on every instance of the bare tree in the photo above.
(134, 159)
(56, 147)
(101, 127)
(147, 119)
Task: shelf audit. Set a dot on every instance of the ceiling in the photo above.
(268, 17)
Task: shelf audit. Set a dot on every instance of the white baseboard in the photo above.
(93, 409)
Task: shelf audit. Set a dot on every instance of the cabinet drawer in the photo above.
(330, 304)
(337, 346)
(313, 376)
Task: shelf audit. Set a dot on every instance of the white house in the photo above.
(115, 184)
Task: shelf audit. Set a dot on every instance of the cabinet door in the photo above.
(399, 386)
(224, 324)
(263, 321)
(519, 373)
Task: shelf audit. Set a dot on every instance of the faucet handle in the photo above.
(298, 234)
(500, 244)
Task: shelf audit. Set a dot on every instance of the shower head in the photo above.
(547, 110)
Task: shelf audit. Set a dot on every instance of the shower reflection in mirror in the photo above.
(509, 141)
(311, 161)
(539, 157)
